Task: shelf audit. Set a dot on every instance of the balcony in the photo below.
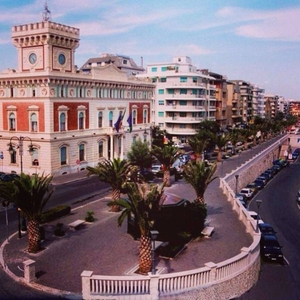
(183, 120)
(184, 108)
(188, 96)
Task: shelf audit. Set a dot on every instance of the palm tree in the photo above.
(115, 173)
(166, 155)
(220, 141)
(30, 194)
(199, 175)
(143, 204)
(198, 143)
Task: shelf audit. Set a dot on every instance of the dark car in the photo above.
(9, 177)
(266, 175)
(262, 178)
(270, 248)
(259, 183)
(266, 229)
(253, 187)
(296, 153)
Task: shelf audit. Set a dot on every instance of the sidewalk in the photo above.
(106, 249)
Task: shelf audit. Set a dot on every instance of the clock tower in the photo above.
(45, 46)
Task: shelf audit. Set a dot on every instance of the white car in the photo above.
(247, 192)
(155, 169)
(255, 216)
(179, 145)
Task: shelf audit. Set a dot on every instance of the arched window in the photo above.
(33, 122)
(100, 149)
(81, 152)
(134, 117)
(12, 122)
(100, 119)
(62, 122)
(110, 118)
(13, 156)
(145, 116)
(81, 120)
(63, 155)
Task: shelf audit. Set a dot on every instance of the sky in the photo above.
(257, 41)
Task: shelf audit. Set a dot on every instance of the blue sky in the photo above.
(254, 40)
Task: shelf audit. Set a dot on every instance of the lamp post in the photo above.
(154, 235)
(236, 183)
(20, 139)
(11, 151)
(258, 203)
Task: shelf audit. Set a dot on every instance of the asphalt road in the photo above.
(279, 209)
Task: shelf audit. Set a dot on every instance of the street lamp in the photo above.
(11, 151)
(21, 139)
(258, 203)
(236, 183)
(154, 235)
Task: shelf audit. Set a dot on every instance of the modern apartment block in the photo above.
(271, 106)
(258, 102)
(184, 96)
(69, 118)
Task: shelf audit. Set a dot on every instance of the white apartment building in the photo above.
(184, 97)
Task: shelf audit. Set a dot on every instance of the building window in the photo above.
(161, 102)
(161, 114)
(182, 126)
(33, 122)
(12, 122)
(62, 91)
(134, 139)
(134, 117)
(100, 119)
(163, 79)
(154, 69)
(63, 155)
(35, 157)
(182, 114)
(11, 92)
(62, 122)
(145, 116)
(195, 79)
(110, 118)
(163, 69)
(183, 79)
(81, 120)
(81, 152)
(183, 91)
(13, 156)
(33, 92)
(161, 91)
(182, 102)
(100, 149)
(171, 91)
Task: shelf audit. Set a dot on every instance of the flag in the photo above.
(118, 124)
(129, 121)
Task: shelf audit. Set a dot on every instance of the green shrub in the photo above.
(55, 213)
(89, 216)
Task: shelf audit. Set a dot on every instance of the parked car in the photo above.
(9, 177)
(262, 178)
(259, 183)
(298, 197)
(145, 175)
(253, 187)
(266, 229)
(247, 192)
(295, 153)
(179, 145)
(255, 216)
(266, 175)
(241, 197)
(270, 248)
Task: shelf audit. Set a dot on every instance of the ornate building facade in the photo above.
(69, 119)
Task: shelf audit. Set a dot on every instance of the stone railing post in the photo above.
(213, 271)
(29, 270)
(85, 281)
(154, 292)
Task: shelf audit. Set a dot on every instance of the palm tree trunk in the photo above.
(34, 236)
(219, 157)
(167, 178)
(115, 196)
(145, 259)
(200, 199)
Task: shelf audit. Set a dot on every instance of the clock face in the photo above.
(61, 59)
(32, 58)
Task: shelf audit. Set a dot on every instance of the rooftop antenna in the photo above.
(46, 13)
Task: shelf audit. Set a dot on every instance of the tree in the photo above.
(166, 155)
(220, 141)
(140, 155)
(143, 204)
(114, 172)
(199, 175)
(198, 143)
(30, 194)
